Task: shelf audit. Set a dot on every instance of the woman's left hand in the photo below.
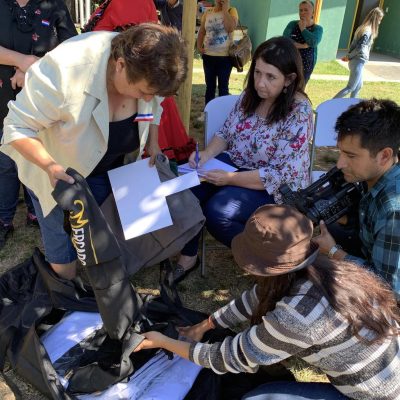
(153, 149)
(218, 177)
(154, 340)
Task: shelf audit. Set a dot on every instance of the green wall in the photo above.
(254, 17)
(268, 18)
(347, 24)
(388, 41)
(331, 20)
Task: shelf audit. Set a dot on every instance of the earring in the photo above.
(284, 90)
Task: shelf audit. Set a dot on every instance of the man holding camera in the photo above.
(369, 141)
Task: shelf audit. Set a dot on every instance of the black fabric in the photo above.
(170, 16)
(123, 138)
(50, 24)
(29, 294)
(34, 298)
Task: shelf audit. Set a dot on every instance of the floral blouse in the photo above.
(280, 150)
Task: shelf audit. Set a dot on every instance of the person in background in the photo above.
(90, 123)
(171, 12)
(306, 36)
(213, 41)
(118, 15)
(28, 29)
(359, 50)
(369, 142)
(266, 137)
(334, 315)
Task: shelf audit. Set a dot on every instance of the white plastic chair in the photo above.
(324, 130)
(215, 113)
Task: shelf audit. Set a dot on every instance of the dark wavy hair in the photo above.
(282, 54)
(361, 297)
(377, 123)
(155, 53)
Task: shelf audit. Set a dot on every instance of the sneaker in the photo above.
(5, 231)
(31, 220)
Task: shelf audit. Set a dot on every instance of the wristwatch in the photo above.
(333, 250)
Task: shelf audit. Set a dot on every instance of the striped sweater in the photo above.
(305, 325)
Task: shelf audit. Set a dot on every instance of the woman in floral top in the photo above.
(266, 136)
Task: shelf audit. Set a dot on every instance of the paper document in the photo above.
(140, 197)
(213, 163)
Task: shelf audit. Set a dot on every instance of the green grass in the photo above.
(321, 90)
(322, 67)
(330, 68)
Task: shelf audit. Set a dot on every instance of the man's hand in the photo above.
(218, 177)
(345, 58)
(56, 172)
(18, 79)
(325, 240)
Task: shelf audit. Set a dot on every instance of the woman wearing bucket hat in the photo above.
(334, 315)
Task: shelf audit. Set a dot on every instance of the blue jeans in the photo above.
(57, 243)
(226, 208)
(216, 67)
(355, 82)
(9, 189)
(295, 391)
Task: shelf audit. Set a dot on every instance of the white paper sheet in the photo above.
(140, 197)
(209, 165)
(158, 379)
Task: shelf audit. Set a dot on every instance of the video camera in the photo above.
(328, 198)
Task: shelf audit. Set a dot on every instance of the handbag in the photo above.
(240, 52)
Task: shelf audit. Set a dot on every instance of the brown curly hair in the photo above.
(154, 53)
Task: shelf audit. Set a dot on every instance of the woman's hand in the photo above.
(154, 340)
(203, 158)
(18, 79)
(56, 172)
(302, 24)
(219, 177)
(195, 332)
(152, 146)
(345, 58)
(153, 149)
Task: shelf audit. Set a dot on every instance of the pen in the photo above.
(197, 157)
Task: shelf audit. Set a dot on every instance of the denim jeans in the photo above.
(226, 208)
(355, 82)
(9, 189)
(295, 391)
(57, 243)
(216, 67)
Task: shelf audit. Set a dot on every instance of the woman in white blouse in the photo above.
(266, 136)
